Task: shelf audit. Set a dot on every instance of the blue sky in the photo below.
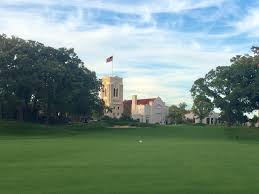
(160, 47)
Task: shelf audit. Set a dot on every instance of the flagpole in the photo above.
(112, 65)
(108, 60)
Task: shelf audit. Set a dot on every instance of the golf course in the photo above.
(95, 159)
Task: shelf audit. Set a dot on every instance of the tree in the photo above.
(35, 78)
(176, 113)
(202, 106)
(233, 89)
(182, 106)
(254, 120)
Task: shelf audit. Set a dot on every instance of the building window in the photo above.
(208, 121)
(105, 92)
(115, 92)
(118, 108)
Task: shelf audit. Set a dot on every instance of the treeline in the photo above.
(233, 89)
(176, 113)
(38, 82)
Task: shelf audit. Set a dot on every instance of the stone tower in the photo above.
(112, 95)
(134, 104)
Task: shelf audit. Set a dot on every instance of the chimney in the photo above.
(134, 103)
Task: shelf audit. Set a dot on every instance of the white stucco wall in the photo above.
(154, 112)
(212, 119)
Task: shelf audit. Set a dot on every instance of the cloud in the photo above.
(250, 23)
(151, 6)
(153, 86)
(154, 61)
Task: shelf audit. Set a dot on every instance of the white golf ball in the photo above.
(140, 141)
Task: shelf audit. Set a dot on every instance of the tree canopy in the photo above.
(35, 78)
(202, 106)
(176, 113)
(233, 89)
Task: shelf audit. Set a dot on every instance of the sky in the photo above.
(160, 47)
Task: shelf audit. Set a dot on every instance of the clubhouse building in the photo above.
(211, 119)
(150, 110)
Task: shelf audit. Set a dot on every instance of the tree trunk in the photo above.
(35, 111)
(48, 115)
(26, 112)
(229, 124)
(48, 112)
(228, 120)
(20, 113)
(1, 111)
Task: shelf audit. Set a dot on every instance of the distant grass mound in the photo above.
(93, 158)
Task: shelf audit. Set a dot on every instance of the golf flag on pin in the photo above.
(109, 59)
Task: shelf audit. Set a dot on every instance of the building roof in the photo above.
(140, 101)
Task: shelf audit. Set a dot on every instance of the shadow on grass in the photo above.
(20, 129)
(242, 133)
(15, 128)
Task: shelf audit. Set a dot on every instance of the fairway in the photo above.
(170, 160)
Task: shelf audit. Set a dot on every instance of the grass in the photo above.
(36, 159)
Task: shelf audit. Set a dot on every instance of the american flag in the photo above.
(109, 59)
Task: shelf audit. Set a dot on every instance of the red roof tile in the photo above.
(140, 101)
(145, 101)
